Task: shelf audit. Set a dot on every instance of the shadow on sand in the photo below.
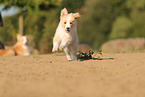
(103, 58)
(98, 59)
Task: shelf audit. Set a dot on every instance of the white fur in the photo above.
(24, 46)
(68, 23)
(25, 39)
(66, 41)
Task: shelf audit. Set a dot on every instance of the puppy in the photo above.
(21, 48)
(7, 52)
(66, 37)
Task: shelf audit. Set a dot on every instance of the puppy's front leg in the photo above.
(63, 44)
(55, 47)
(55, 44)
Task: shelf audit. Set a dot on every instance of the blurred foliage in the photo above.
(9, 30)
(96, 22)
(72, 5)
(121, 28)
(101, 20)
(30, 5)
(131, 24)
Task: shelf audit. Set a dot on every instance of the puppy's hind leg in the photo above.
(67, 52)
(74, 51)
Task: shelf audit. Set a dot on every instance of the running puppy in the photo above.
(66, 37)
(21, 48)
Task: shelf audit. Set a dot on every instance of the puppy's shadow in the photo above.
(103, 58)
(97, 59)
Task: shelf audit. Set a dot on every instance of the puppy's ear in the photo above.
(19, 37)
(76, 15)
(63, 12)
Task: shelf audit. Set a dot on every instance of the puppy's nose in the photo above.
(67, 28)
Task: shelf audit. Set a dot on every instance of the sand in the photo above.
(115, 75)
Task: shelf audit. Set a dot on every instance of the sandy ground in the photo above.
(116, 75)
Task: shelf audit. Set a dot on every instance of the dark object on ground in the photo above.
(2, 45)
(85, 56)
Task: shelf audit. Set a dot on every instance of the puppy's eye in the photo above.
(64, 22)
(70, 22)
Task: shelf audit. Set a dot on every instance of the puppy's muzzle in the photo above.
(67, 29)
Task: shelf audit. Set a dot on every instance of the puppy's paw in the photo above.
(54, 49)
(61, 47)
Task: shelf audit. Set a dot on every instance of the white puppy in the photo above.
(66, 37)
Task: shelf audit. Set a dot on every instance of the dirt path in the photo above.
(116, 75)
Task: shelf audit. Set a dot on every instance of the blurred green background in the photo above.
(101, 20)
